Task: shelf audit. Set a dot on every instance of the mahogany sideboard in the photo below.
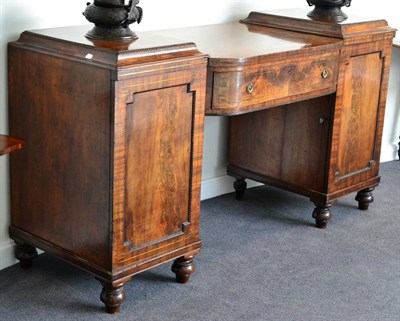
(110, 176)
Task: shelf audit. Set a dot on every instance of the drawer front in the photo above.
(274, 83)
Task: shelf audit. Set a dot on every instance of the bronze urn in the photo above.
(112, 19)
(328, 10)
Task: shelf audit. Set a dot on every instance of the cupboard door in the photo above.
(359, 116)
(159, 132)
(162, 141)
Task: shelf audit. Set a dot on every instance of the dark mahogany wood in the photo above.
(322, 148)
(325, 147)
(285, 66)
(114, 132)
(113, 295)
(25, 254)
(297, 20)
(364, 198)
(114, 136)
(322, 215)
(9, 144)
(183, 267)
(240, 186)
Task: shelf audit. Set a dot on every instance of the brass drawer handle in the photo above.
(325, 74)
(250, 88)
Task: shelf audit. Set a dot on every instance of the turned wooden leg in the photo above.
(322, 214)
(240, 186)
(364, 198)
(112, 295)
(183, 267)
(25, 254)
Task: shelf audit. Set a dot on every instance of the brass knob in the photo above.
(324, 74)
(250, 88)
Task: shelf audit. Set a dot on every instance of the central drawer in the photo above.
(272, 83)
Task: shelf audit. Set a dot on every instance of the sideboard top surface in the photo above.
(231, 42)
(240, 40)
(261, 36)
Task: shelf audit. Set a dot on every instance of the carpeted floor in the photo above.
(262, 259)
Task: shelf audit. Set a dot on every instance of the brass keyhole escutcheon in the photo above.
(250, 88)
(324, 74)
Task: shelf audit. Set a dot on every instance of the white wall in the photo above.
(19, 15)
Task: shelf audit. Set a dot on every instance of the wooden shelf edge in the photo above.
(9, 144)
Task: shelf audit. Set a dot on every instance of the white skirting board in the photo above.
(7, 255)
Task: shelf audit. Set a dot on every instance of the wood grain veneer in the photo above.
(110, 176)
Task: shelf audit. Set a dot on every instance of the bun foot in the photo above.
(322, 214)
(112, 295)
(364, 198)
(240, 187)
(25, 254)
(183, 267)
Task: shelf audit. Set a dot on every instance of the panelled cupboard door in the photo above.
(357, 129)
(158, 143)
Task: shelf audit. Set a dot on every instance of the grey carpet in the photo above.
(262, 259)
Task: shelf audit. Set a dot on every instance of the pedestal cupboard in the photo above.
(110, 178)
(110, 175)
(325, 147)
